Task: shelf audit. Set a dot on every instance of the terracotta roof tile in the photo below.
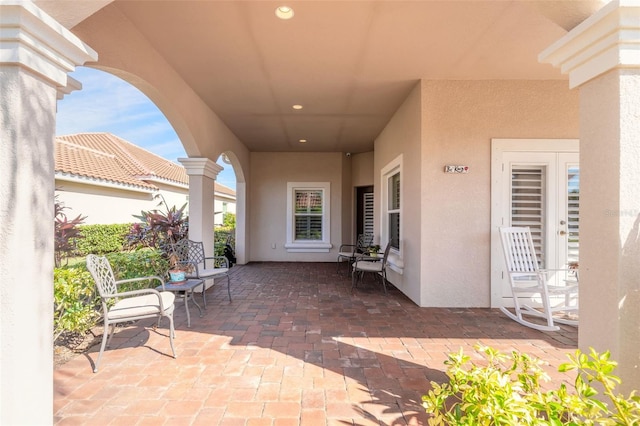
(107, 157)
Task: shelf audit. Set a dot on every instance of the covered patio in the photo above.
(294, 347)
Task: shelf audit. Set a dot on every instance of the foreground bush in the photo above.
(505, 390)
(74, 301)
(77, 307)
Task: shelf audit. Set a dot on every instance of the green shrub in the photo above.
(505, 390)
(140, 263)
(221, 236)
(75, 302)
(102, 239)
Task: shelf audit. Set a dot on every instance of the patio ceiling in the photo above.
(350, 64)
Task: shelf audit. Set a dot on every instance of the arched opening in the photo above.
(126, 106)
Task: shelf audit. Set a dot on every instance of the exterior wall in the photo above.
(222, 205)
(348, 201)
(270, 173)
(104, 205)
(362, 169)
(459, 119)
(402, 136)
(110, 205)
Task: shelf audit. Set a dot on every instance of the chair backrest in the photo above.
(519, 250)
(102, 274)
(189, 251)
(386, 254)
(364, 241)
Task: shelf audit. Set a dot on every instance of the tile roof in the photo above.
(106, 157)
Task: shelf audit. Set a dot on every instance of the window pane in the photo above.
(308, 201)
(394, 230)
(308, 227)
(394, 192)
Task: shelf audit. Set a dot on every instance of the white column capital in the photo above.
(33, 40)
(201, 167)
(607, 40)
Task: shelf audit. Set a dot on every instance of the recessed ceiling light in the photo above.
(303, 141)
(284, 12)
(296, 106)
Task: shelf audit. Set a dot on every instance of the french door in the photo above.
(539, 189)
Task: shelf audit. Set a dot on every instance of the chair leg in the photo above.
(113, 331)
(172, 333)
(105, 337)
(383, 275)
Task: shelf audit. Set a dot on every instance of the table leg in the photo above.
(193, 297)
(186, 306)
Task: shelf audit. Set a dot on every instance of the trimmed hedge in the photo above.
(102, 239)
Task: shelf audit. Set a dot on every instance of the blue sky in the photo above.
(108, 104)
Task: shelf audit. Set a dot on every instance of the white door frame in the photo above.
(498, 148)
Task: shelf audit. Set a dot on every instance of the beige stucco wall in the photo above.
(402, 136)
(362, 169)
(446, 229)
(103, 205)
(459, 120)
(270, 173)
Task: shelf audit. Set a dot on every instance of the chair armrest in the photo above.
(131, 280)
(138, 293)
(343, 246)
(222, 259)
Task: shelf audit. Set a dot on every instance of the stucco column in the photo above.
(602, 58)
(202, 175)
(35, 56)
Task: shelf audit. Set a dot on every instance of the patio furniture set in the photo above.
(555, 302)
(158, 302)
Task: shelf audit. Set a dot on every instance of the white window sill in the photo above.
(395, 263)
(308, 247)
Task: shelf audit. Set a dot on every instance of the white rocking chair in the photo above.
(527, 279)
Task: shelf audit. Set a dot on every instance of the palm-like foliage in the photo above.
(66, 232)
(159, 229)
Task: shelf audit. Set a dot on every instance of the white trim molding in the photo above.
(321, 246)
(201, 167)
(32, 39)
(607, 40)
(396, 259)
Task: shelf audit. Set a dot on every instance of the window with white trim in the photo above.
(308, 217)
(391, 204)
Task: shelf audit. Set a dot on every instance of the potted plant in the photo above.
(178, 270)
(373, 250)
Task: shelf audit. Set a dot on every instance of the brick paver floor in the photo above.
(294, 347)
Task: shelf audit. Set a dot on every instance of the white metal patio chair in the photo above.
(375, 265)
(350, 252)
(130, 305)
(556, 301)
(191, 253)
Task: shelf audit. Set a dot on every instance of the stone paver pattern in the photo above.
(295, 347)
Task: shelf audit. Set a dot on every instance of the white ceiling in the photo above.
(349, 63)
